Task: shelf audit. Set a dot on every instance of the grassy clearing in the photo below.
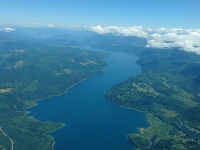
(142, 87)
(164, 82)
(153, 135)
(8, 90)
(88, 62)
(72, 60)
(181, 95)
(62, 72)
(157, 129)
(18, 64)
(186, 98)
(20, 50)
(169, 113)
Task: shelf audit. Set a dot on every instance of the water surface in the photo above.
(92, 122)
(189, 132)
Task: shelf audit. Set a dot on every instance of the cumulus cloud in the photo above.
(184, 39)
(7, 29)
(124, 31)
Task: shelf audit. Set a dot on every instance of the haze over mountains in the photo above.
(184, 39)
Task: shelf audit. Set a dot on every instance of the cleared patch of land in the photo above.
(88, 62)
(18, 64)
(62, 72)
(8, 90)
(20, 50)
(169, 113)
(142, 87)
(72, 60)
(158, 131)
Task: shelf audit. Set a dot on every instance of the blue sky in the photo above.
(145, 13)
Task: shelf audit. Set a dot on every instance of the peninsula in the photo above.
(168, 90)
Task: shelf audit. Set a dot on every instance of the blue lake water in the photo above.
(92, 122)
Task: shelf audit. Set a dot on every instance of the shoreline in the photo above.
(128, 107)
(42, 99)
(46, 98)
(125, 107)
(54, 142)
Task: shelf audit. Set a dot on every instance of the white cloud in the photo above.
(184, 39)
(124, 31)
(38, 25)
(99, 29)
(7, 29)
(50, 25)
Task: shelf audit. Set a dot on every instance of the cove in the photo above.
(190, 132)
(93, 122)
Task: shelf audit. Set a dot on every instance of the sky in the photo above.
(163, 23)
(72, 13)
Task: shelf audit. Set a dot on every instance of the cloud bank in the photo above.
(38, 25)
(184, 39)
(124, 31)
(7, 29)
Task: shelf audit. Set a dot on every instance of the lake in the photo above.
(93, 122)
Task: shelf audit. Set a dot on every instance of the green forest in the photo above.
(168, 90)
(33, 72)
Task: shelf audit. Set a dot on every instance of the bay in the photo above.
(93, 122)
